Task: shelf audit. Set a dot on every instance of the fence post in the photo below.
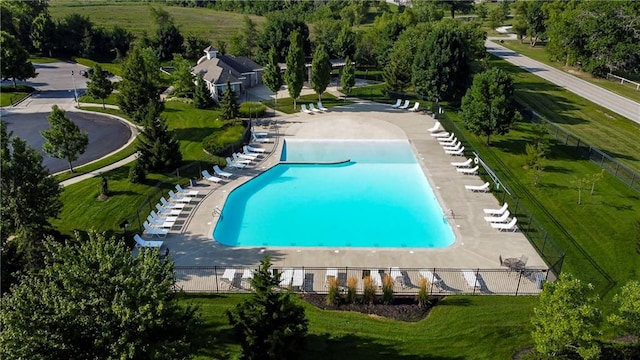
(617, 167)
(519, 280)
(544, 242)
(578, 145)
(215, 273)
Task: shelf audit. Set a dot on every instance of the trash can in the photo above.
(540, 277)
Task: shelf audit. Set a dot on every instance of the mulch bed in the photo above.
(402, 308)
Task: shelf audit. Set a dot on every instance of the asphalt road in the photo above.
(56, 85)
(605, 98)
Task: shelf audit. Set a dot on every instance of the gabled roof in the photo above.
(225, 67)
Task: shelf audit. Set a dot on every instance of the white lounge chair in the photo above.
(452, 147)
(509, 226)
(256, 150)
(220, 172)
(229, 275)
(234, 164)
(471, 278)
(471, 171)
(462, 163)
(286, 277)
(449, 138)
(261, 140)
(331, 273)
(431, 277)
(171, 205)
(158, 217)
(498, 219)
(441, 134)
(450, 143)
(142, 243)
(245, 151)
(179, 199)
(247, 275)
(250, 157)
(415, 107)
(397, 104)
(375, 276)
(435, 127)
(303, 108)
(209, 177)
(159, 223)
(321, 107)
(459, 152)
(167, 212)
(497, 211)
(478, 188)
(313, 108)
(153, 231)
(405, 105)
(185, 192)
(259, 133)
(237, 159)
(298, 279)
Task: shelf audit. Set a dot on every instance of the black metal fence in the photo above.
(548, 249)
(402, 281)
(606, 162)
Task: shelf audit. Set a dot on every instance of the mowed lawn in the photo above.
(137, 17)
(460, 327)
(619, 137)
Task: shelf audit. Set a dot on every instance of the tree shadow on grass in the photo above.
(193, 134)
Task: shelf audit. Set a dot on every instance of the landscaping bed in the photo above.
(402, 308)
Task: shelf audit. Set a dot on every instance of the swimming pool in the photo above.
(380, 198)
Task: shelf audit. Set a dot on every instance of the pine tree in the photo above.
(272, 77)
(229, 104)
(98, 86)
(138, 86)
(320, 70)
(158, 149)
(202, 98)
(295, 66)
(348, 79)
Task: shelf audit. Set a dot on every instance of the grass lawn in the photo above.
(110, 100)
(617, 136)
(43, 59)
(84, 169)
(136, 17)
(460, 327)
(286, 105)
(10, 95)
(539, 53)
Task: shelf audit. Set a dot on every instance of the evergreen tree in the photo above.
(348, 79)
(64, 139)
(202, 98)
(294, 74)
(320, 71)
(272, 78)
(157, 148)
(229, 104)
(94, 300)
(138, 86)
(137, 174)
(270, 325)
(98, 86)
(489, 105)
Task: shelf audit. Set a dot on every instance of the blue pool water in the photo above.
(380, 198)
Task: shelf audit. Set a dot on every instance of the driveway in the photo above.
(605, 98)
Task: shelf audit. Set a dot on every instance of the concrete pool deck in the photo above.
(477, 245)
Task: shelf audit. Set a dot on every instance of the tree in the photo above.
(272, 78)
(566, 319)
(94, 300)
(326, 32)
(29, 195)
(270, 324)
(64, 139)
(202, 98)
(43, 32)
(193, 47)
(138, 86)
(348, 79)
(463, 6)
(98, 86)
(346, 43)
(181, 77)
(276, 32)
(229, 103)
(627, 317)
(532, 14)
(168, 40)
(397, 71)
(489, 107)
(249, 36)
(15, 64)
(294, 74)
(320, 71)
(157, 148)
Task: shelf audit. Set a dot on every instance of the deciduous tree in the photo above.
(64, 139)
(43, 32)
(181, 77)
(346, 43)
(489, 107)
(348, 79)
(566, 319)
(94, 300)
(15, 64)
(294, 74)
(276, 32)
(269, 325)
(320, 70)
(98, 86)
(627, 316)
(272, 78)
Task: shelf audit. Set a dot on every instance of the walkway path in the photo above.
(605, 98)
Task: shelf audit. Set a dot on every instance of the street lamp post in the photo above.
(75, 91)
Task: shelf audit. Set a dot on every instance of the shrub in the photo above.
(369, 295)
(252, 109)
(387, 290)
(352, 285)
(333, 296)
(137, 174)
(224, 141)
(423, 294)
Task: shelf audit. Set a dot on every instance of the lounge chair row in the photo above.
(161, 222)
(312, 108)
(240, 160)
(400, 105)
(499, 218)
